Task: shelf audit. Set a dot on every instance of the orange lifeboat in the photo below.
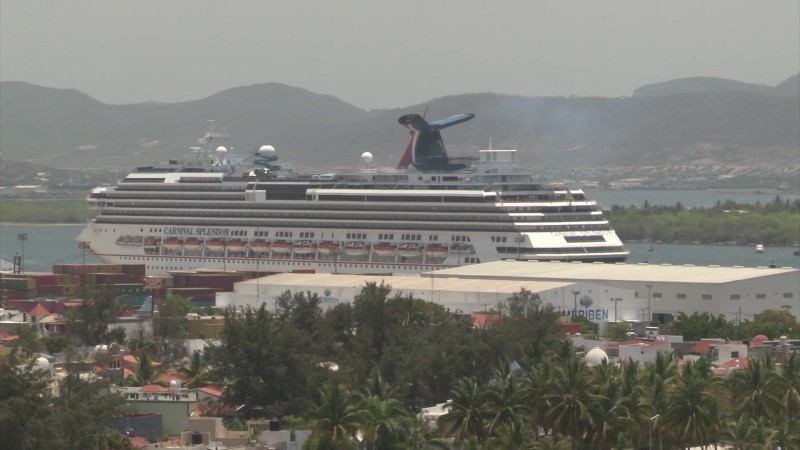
(435, 251)
(235, 245)
(150, 243)
(173, 243)
(384, 249)
(327, 247)
(192, 244)
(259, 246)
(281, 247)
(215, 245)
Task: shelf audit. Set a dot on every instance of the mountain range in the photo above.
(692, 121)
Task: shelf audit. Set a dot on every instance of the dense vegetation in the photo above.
(357, 374)
(776, 223)
(44, 212)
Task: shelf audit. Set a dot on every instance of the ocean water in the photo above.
(55, 244)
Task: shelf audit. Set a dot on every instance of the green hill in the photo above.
(693, 121)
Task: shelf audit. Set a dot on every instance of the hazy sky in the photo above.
(389, 54)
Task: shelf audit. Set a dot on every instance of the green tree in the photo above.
(466, 411)
(693, 415)
(756, 390)
(572, 400)
(89, 321)
(171, 325)
(337, 418)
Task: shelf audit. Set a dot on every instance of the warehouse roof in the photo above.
(599, 272)
(407, 282)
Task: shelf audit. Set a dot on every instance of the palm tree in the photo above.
(610, 407)
(465, 412)
(785, 434)
(573, 400)
(382, 423)
(196, 372)
(743, 433)
(788, 382)
(693, 413)
(336, 419)
(512, 435)
(756, 390)
(144, 372)
(504, 399)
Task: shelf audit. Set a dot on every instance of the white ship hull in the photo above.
(103, 243)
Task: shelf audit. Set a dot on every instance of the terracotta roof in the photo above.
(483, 320)
(39, 311)
(211, 390)
(758, 340)
(8, 337)
(153, 388)
(703, 347)
(139, 442)
(735, 363)
(130, 359)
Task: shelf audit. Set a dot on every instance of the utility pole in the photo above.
(616, 301)
(649, 310)
(22, 237)
(575, 307)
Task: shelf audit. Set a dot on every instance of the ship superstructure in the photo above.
(221, 212)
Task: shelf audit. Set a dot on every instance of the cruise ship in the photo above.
(217, 211)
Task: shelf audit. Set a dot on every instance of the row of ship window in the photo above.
(338, 224)
(468, 260)
(203, 202)
(208, 210)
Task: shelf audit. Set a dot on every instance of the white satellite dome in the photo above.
(595, 357)
(222, 149)
(41, 364)
(366, 157)
(266, 150)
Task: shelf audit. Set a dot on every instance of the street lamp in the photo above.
(519, 240)
(22, 237)
(575, 307)
(653, 420)
(616, 301)
(649, 311)
(83, 245)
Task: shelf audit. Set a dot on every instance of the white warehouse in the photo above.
(600, 292)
